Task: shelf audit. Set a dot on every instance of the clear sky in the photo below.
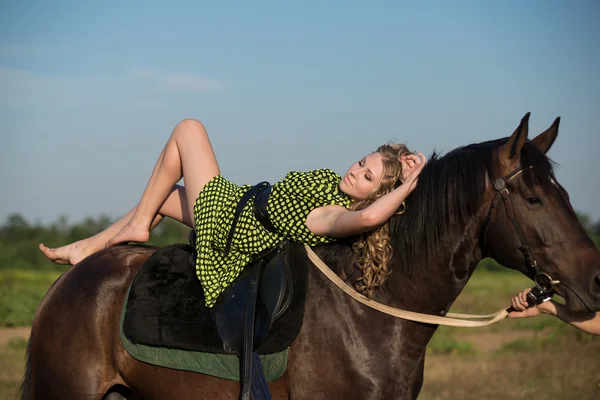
(90, 91)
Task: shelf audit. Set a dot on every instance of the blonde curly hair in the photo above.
(373, 250)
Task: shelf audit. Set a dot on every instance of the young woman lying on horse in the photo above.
(312, 207)
(488, 199)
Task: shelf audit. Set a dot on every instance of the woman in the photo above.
(313, 207)
(588, 322)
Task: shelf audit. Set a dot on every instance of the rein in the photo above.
(452, 319)
(543, 287)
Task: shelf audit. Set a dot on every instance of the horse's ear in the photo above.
(512, 148)
(544, 140)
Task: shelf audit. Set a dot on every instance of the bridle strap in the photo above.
(502, 192)
(541, 279)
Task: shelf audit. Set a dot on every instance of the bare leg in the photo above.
(174, 207)
(188, 154)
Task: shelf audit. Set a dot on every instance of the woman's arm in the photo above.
(336, 221)
(588, 322)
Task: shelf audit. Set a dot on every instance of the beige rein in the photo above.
(451, 319)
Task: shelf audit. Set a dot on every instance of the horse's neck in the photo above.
(433, 285)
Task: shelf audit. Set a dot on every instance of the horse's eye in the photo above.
(534, 200)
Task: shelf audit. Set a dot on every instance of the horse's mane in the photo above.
(448, 195)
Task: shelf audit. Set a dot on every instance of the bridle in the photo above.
(543, 281)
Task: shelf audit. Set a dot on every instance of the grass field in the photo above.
(514, 359)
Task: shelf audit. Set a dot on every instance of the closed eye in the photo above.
(368, 175)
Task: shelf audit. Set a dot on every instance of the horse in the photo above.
(496, 199)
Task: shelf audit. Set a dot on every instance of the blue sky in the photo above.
(90, 92)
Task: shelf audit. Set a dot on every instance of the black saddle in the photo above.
(263, 291)
(166, 307)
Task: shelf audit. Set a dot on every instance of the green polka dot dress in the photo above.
(289, 203)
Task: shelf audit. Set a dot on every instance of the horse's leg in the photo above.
(121, 393)
(71, 344)
(416, 379)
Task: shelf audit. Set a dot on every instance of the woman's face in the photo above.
(363, 177)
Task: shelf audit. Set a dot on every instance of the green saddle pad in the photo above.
(224, 366)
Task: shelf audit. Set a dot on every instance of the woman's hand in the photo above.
(520, 304)
(588, 322)
(412, 165)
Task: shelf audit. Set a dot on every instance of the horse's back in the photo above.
(94, 282)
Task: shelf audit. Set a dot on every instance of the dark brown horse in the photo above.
(457, 215)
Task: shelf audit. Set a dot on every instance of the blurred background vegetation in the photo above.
(19, 238)
(25, 274)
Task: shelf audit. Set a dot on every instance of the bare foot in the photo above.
(130, 233)
(69, 254)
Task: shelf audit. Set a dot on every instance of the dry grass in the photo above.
(12, 365)
(531, 358)
(565, 368)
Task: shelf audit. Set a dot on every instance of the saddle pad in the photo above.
(219, 365)
(165, 307)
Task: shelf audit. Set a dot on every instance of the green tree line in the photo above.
(19, 238)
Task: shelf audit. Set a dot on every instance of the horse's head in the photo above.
(531, 225)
